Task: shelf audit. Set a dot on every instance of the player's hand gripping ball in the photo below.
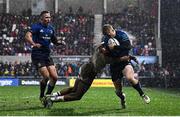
(103, 50)
(113, 42)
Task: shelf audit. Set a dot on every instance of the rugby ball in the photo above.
(113, 41)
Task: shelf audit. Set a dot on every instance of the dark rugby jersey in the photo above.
(122, 49)
(42, 34)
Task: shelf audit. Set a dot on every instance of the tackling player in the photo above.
(40, 36)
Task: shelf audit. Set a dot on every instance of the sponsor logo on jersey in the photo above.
(41, 30)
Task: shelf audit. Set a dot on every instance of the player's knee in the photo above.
(129, 72)
(129, 78)
(44, 80)
(72, 89)
(44, 73)
(73, 97)
(78, 97)
(133, 81)
(45, 76)
(54, 78)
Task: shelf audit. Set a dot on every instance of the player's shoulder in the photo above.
(105, 38)
(50, 26)
(118, 31)
(122, 34)
(36, 26)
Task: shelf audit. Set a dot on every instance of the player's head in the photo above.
(109, 30)
(45, 17)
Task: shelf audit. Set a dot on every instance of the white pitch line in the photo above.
(26, 97)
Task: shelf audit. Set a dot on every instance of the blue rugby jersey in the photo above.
(42, 34)
(123, 48)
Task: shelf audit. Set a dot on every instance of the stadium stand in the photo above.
(75, 29)
(170, 35)
(27, 69)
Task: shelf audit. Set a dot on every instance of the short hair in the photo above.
(106, 28)
(44, 12)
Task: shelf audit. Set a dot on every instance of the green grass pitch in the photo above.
(23, 100)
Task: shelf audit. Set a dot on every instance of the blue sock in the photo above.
(42, 88)
(50, 89)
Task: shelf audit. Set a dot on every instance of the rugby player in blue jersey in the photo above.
(122, 68)
(40, 37)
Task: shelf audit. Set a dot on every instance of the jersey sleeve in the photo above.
(104, 41)
(125, 42)
(126, 45)
(34, 29)
(124, 36)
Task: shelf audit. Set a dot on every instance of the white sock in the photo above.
(56, 93)
(57, 98)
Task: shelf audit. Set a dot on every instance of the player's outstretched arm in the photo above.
(102, 49)
(28, 38)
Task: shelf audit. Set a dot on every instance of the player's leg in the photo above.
(129, 74)
(63, 91)
(42, 69)
(45, 74)
(68, 89)
(116, 75)
(119, 93)
(52, 73)
(53, 78)
(81, 86)
(72, 96)
(86, 72)
(87, 75)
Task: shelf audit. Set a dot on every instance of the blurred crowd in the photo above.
(77, 31)
(27, 69)
(170, 29)
(72, 69)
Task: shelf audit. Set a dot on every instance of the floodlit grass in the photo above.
(23, 100)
